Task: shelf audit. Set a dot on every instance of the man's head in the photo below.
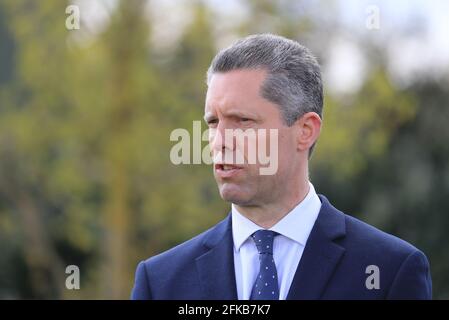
(264, 82)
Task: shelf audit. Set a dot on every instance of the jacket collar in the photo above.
(320, 257)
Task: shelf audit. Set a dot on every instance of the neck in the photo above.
(267, 215)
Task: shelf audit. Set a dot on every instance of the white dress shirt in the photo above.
(288, 246)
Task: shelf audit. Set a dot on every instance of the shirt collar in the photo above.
(296, 225)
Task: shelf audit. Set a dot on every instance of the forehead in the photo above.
(236, 88)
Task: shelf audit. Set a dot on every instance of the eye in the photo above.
(212, 122)
(245, 119)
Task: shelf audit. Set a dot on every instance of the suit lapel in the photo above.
(321, 254)
(318, 262)
(216, 266)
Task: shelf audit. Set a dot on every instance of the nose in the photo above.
(220, 140)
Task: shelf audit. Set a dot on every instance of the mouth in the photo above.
(227, 170)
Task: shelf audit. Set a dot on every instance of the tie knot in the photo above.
(264, 240)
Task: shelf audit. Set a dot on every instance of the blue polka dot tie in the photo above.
(266, 285)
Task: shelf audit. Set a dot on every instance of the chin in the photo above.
(233, 193)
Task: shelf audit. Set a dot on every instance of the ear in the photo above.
(309, 128)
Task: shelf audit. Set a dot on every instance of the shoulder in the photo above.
(186, 252)
(370, 239)
(404, 270)
(359, 236)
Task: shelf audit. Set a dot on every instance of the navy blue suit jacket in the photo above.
(333, 265)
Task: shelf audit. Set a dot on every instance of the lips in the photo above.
(226, 167)
(227, 170)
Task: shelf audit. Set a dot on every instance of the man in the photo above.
(281, 240)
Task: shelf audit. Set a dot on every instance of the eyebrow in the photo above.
(231, 113)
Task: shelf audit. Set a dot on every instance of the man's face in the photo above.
(233, 101)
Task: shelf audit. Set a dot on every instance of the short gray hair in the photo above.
(294, 76)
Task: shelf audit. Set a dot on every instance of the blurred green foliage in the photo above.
(85, 174)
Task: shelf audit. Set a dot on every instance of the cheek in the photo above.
(246, 146)
(286, 149)
(264, 143)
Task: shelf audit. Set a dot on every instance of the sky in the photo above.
(415, 33)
